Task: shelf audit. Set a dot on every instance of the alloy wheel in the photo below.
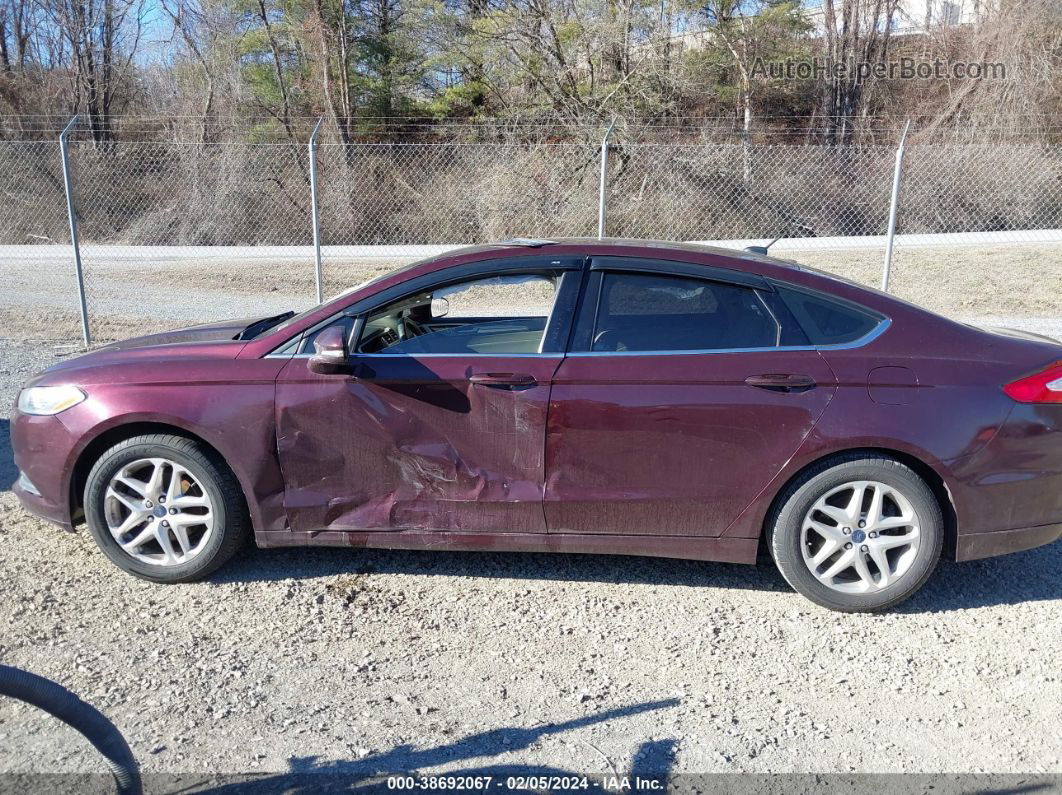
(860, 537)
(158, 512)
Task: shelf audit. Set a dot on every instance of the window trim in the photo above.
(629, 265)
(712, 273)
(599, 267)
(855, 306)
(589, 279)
(557, 265)
(554, 355)
(872, 335)
(773, 316)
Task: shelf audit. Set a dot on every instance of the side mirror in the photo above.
(330, 352)
(439, 307)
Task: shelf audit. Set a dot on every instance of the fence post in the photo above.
(603, 186)
(893, 207)
(74, 241)
(314, 210)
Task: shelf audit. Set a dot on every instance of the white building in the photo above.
(911, 17)
(916, 16)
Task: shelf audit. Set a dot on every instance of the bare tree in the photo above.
(336, 64)
(96, 42)
(278, 69)
(860, 37)
(1025, 38)
(749, 33)
(204, 29)
(101, 38)
(18, 21)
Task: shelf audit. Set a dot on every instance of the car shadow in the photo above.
(309, 562)
(1029, 576)
(652, 759)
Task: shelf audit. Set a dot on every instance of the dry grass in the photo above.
(242, 278)
(1022, 280)
(1010, 280)
(65, 326)
(1001, 280)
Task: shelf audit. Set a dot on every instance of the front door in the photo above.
(682, 398)
(441, 426)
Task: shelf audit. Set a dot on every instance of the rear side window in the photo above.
(643, 312)
(827, 321)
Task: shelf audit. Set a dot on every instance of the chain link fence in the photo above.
(179, 233)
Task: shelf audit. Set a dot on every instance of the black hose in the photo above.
(59, 702)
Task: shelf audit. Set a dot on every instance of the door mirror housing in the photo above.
(440, 307)
(330, 355)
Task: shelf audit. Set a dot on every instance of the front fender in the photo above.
(236, 421)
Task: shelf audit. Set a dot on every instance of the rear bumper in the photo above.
(975, 546)
(1014, 481)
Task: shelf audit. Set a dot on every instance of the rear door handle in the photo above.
(782, 382)
(504, 380)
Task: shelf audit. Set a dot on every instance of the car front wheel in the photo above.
(857, 533)
(164, 508)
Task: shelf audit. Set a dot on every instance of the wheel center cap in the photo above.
(858, 536)
(159, 511)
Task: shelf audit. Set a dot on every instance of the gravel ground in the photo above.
(369, 662)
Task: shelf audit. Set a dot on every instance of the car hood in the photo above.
(208, 341)
(222, 330)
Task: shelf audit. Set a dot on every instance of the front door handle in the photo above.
(504, 380)
(782, 382)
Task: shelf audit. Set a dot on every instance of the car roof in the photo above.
(580, 246)
(611, 245)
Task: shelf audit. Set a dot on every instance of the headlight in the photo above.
(49, 399)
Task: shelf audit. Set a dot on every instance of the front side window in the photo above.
(650, 312)
(496, 315)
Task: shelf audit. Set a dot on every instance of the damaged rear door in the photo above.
(441, 423)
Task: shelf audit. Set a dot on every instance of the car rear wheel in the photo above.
(164, 508)
(857, 533)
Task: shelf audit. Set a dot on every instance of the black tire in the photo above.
(230, 514)
(785, 521)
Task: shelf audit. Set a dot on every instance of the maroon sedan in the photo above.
(573, 396)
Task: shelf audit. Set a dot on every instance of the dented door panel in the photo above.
(414, 443)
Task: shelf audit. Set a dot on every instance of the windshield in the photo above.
(290, 321)
(284, 321)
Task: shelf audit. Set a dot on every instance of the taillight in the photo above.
(1044, 386)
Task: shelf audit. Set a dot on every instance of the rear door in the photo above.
(685, 391)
